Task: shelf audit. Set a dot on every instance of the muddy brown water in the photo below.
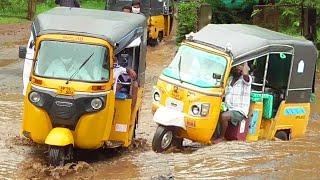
(21, 159)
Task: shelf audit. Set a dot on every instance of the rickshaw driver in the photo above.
(126, 9)
(237, 99)
(65, 67)
(121, 71)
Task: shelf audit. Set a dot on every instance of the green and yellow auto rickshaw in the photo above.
(71, 100)
(160, 15)
(189, 93)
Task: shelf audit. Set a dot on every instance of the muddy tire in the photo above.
(162, 139)
(59, 156)
(177, 142)
(282, 135)
(153, 42)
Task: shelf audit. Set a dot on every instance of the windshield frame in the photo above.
(74, 42)
(204, 50)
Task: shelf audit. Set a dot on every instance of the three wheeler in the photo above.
(189, 93)
(71, 101)
(160, 14)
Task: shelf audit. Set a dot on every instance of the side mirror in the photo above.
(22, 52)
(216, 76)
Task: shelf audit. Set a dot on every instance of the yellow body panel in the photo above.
(198, 129)
(59, 137)
(35, 121)
(93, 129)
(295, 123)
(256, 112)
(156, 24)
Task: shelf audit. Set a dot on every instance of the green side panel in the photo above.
(267, 103)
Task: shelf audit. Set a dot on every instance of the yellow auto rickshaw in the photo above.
(71, 100)
(189, 93)
(160, 14)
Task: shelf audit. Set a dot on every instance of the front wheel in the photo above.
(162, 139)
(58, 156)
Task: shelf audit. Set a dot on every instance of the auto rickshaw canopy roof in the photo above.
(246, 42)
(118, 28)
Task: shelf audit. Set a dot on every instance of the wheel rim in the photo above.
(166, 140)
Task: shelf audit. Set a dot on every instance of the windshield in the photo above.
(63, 59)
(197, 67)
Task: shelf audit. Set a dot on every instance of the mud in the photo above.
(23, 159)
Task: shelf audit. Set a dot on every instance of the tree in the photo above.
(31, 9)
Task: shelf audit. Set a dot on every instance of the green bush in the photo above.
(187, 19)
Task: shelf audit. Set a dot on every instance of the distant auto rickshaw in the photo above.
(189, 92)
(160, 14)
(71, 100)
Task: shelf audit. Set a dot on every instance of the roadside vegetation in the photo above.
(15, 11)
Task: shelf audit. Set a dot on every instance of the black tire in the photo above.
(59, 156)
(282, 135)
(153, 42)
(162, 139)
(177, 142)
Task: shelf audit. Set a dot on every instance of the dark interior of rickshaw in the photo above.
(127, 58)
(276, 82)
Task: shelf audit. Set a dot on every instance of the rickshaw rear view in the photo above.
(160, 15)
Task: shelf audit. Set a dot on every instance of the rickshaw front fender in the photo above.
(60, 137)
(169, 117)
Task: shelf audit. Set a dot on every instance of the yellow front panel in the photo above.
(36, 121)
(94, 128)
(198, 128)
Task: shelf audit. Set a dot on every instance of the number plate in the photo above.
(65, 90)
(174, 104)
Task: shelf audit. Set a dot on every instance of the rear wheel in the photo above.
(162, 139)
(283, 135)
(59, 156)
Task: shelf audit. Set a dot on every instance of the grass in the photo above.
(17, 13)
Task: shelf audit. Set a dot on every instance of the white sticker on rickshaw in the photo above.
(121, 128)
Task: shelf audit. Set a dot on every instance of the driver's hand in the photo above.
(132, 74)
(245, 69)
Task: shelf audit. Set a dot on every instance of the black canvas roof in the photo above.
(248, 41)
(117, 28)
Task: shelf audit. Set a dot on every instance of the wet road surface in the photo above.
(19, 158)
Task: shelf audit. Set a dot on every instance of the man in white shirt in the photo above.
(237, 98)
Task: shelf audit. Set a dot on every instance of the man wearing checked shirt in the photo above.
(237, 98)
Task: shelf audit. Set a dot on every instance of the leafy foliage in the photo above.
(187, 19)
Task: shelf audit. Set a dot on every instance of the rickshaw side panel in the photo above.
(291, 117)
(33, 115)
(121, 122)
(93, 129)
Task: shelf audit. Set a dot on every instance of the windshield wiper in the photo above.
(84, 63)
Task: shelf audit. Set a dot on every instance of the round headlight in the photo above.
(195, 110)
(96, 103)
(156, 96)
(34, 97)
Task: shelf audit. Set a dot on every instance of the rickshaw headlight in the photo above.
(195, 109)
(34, 97)
(96, 103)
(205, 109)
(156, 95)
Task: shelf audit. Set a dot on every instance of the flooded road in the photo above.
(21, 159)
